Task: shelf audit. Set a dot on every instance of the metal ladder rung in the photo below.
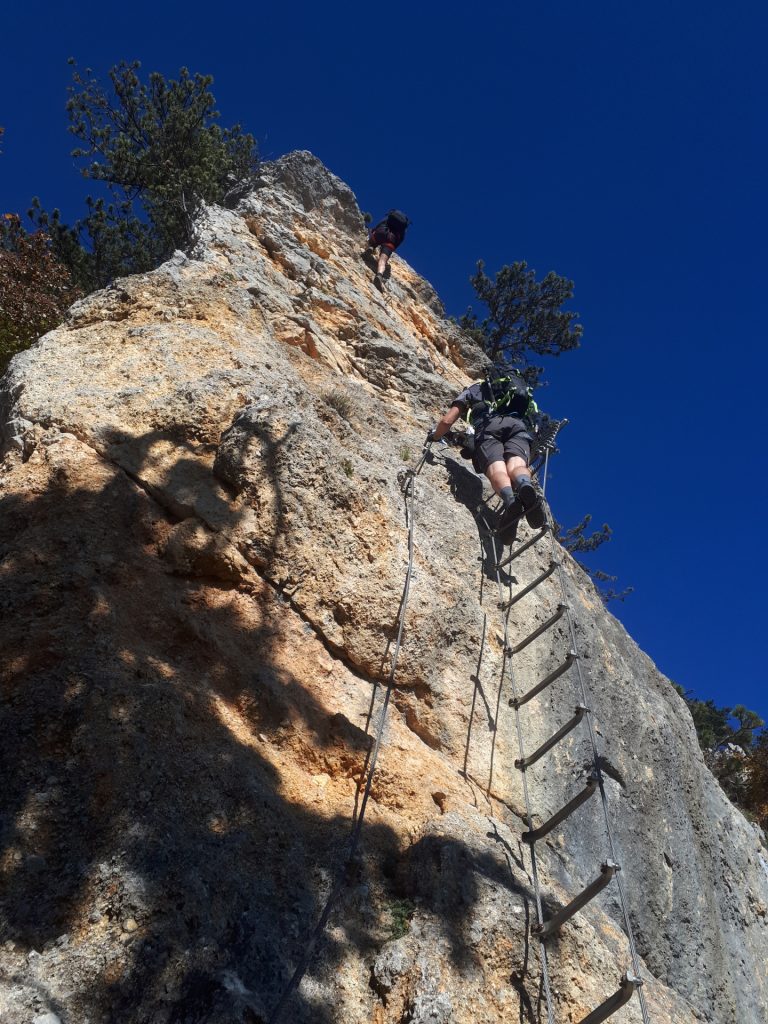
(532, 586)
(607, 871)
(538, 833)
(561, 610)
(517, 702)
(524, 547)
(525, 762)
(629, 983)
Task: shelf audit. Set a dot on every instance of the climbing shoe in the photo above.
(534, 510)
(378, 282)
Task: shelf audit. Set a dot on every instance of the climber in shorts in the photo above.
(387, 236)
(502, 414)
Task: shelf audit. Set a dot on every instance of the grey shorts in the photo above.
(500, 439)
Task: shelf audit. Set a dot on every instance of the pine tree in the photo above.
(525, 317)
(757, 785)
(157, 148)
(735, 748)
(576, 540)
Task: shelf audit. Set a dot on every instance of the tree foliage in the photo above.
(525, 317)
(735, 747)
(159, 151)
(576, 540)
(108, 242)
(35, 287)
(156, 150)
(756, 797)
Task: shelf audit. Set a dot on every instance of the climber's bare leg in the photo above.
(517, 467)
(499, 475)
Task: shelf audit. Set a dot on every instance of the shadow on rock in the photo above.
(150, 816)
(467, 488)
(139, 807)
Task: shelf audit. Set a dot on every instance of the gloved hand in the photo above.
(430, 436)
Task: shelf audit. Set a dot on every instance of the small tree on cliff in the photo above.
(525, 317)
(157, 148)
(735, 748)
(757, 785)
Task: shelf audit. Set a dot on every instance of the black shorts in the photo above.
(500, 439)
(385, 239)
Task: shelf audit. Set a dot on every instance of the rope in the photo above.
(408, 488)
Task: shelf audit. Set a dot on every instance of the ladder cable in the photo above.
(507, 661)
(630, 983)
(582, 692)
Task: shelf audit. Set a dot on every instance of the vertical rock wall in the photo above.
(202, 555)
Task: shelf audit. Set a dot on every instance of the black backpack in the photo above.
(510, 395)
(397, 222)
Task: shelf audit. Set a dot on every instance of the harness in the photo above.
(516, 399)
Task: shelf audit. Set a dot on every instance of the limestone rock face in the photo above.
(203, 546)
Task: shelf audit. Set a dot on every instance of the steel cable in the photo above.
(593, 742)
(595, 752)
(506, 659)
(582, 691)
(409, 492)
(408, 489)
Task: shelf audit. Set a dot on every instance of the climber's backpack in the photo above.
(506, 396)
(397, 222)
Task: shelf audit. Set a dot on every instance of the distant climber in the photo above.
(501, 415)
(387, 236)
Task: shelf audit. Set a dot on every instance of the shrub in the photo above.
(35, 287)
(400, 912)
(735, 747)
(341, 401)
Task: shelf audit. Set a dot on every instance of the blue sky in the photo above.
(623, 146)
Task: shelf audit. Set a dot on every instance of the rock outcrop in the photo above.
(202, 556)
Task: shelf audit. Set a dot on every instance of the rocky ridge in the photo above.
(202, 555)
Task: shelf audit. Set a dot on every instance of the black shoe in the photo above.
(506, 525)
(378, 282)
(534, 510)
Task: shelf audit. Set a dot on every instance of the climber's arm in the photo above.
(446, 422)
